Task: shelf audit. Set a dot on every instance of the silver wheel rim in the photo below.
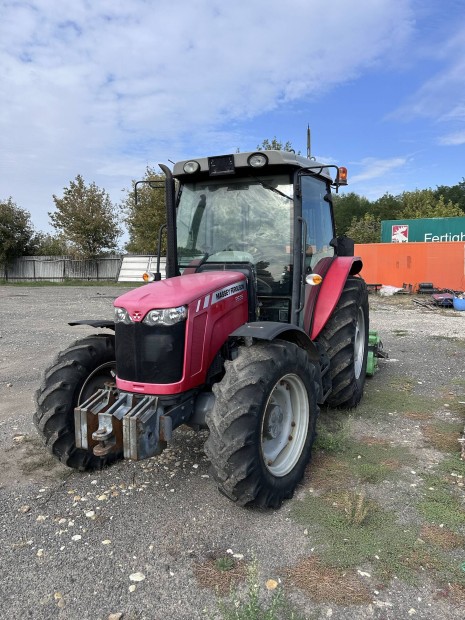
(285, 425)
(359, 343)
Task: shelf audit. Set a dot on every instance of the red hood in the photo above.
(174, 292)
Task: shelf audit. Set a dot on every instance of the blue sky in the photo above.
(105, 88)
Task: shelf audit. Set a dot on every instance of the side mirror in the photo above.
(344, 246)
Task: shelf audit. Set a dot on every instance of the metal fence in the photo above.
(61, 268)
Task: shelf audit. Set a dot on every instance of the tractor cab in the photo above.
(267, 214)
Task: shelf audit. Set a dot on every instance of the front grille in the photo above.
(146, 354)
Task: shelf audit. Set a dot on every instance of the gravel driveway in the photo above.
(143, 540)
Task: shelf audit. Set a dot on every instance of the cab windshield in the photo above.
(239, 220)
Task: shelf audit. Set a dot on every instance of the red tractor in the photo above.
(261, 319)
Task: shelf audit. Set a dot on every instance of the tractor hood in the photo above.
(180, 291)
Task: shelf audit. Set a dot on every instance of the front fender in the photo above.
(95, 323)
(330, 290)
(270, 330)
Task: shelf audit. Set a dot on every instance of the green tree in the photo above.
(275, 145)
(387, 207)
(366, 229)
(453, 193)
(145, 218)
(45, 244)
(86, 218)
(347, 207)
(425, 203)
(16, 231)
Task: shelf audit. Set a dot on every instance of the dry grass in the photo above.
(216, 575)
(327, 472)
(441, 537)
(418, 415)
(323, 584)
(443, 436)
(457, 593)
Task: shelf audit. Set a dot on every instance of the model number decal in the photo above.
(227, 292)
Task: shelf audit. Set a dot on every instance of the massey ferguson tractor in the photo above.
(261, 319)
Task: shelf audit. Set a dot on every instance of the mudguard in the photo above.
(94, 323)
(269, 330)
(330, 290)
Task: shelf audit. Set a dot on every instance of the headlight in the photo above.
(122, 316)
(166, 316)
(191, 166)
(257, 160)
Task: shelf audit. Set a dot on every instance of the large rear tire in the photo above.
(345, 340)
(75, 375)
(262, 425)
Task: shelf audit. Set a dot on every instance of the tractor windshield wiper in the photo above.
(273, 189)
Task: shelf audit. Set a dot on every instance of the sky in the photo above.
(106, 88)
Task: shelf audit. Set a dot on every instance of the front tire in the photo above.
(262, 425)
(75, 375)
(345, 340)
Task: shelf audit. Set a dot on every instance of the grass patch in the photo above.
(397, 395)
(257, 603)
(332, 435)
(378, 540)
(441, 504)
(372, 460)
(390, 548)
(443, 436)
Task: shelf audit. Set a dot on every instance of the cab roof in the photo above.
(233, 164)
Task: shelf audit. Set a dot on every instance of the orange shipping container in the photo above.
(396, 264)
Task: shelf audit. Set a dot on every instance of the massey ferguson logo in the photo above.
(228, 292)
(136, 316)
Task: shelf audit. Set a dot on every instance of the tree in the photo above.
(346, 208)
(366, 229)
(16, 231)
(86, 218)
(145, 218)
(45, 244)
(387, 207)
(425, 203)
(453, 193)
(275, 145)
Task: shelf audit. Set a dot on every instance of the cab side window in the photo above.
(317, 213)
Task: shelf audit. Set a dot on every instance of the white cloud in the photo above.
(96, 88)
(453, 139)
(372, 168)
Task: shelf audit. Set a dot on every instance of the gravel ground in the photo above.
(128, 540)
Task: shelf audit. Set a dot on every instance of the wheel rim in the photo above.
(96, 380)
(359, 343)
(285, 425)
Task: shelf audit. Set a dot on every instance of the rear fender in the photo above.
(330, 290)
